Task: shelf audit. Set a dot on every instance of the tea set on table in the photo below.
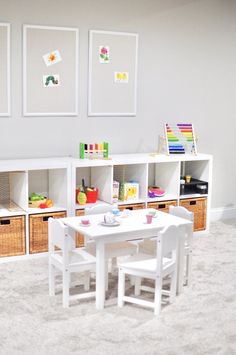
(109, 218)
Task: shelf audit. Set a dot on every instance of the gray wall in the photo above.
(187, 57)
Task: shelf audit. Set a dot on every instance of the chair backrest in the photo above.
(167, 244)
(57, 232)
(182, 212)
(96, 209)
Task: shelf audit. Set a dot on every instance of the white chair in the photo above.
(67, 261)
(163, 265)
(182, 212)
(113, 251)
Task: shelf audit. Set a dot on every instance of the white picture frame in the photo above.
(106, 95)
(48, 100)
(5, 100)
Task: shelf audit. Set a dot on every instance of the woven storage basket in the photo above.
(79, 241)
(162, 206)
(39, 231)
(198, 207)
(135, 206)
(12, 236)
(4, 188)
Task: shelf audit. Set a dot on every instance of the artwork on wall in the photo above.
(180, 138)
(50, 71)
(4, 69)
(113, 58)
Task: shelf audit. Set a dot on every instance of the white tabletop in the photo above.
(131, 225)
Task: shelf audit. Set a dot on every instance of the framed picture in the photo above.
(180, 138)
(50, 71)
(5, 69)
(113, 60)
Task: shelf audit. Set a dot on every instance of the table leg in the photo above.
(180, 276)
(100, 274)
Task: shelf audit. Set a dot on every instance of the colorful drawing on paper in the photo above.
(53, 57)
(51, 80)
(180, 138)
(104, 54)
(121, 77)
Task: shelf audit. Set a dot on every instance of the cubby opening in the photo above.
(13, 193)
(133, 179)
(52, 184)
(166, 177)
(97, 177)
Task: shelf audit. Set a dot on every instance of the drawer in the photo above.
(38, 227)
(162, 206)
(12, 236)
(135, 206)
(198, 207)
(79, 238)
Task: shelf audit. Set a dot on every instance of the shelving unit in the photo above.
(50, 177)
(57, 178)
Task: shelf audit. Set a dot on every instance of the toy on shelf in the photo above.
(155, 191)
(180, 138)
(129, 191)
(39, 201)
(85, 194)
(94, 150)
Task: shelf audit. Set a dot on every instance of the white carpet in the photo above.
(201, 321)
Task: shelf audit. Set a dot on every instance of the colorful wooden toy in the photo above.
(94, 150)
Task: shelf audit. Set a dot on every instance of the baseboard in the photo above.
(222, 213)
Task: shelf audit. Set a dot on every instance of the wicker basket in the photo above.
(135, 206)
(198, 207)
(79, 238)
(12, 236)
(39, 231)
(162, 206)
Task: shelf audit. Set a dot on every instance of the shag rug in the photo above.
(201, 321)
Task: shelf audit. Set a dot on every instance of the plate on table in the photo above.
(115, 224)
(85, 225)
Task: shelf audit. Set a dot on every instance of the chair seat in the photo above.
(142, 262)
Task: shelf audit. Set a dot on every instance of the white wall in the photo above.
(187, 57)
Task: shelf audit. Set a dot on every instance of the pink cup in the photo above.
(149, 218)
(85, 221)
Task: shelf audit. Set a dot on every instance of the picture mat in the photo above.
(4, 69)
(61, 100)
(107, 98)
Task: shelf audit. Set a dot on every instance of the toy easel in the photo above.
(94, 150)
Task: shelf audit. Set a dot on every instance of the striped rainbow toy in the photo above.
(180, 138)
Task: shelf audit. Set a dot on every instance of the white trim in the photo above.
(222, 213)
(24, 61)
(8, 113)
(113, 114)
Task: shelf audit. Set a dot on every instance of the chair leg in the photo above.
(66, 293)
(137, 286)
(121, 288)
(173, 286)
(86, 280)
(106, 276)
(188, 268)
(51, 280)
(157, 298)
(113, 264)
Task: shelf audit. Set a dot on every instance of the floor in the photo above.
(201, 321)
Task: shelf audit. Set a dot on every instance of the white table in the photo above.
(131, 227)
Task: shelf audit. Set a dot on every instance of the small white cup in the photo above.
(109, 218)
